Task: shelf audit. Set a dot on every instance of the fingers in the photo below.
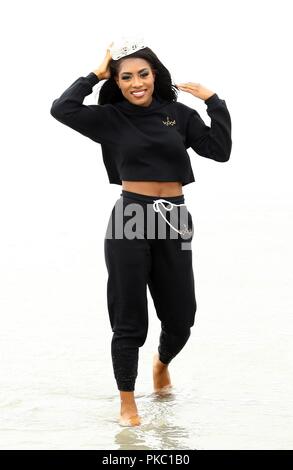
(185, 88)
(189, 85)
(109, 48)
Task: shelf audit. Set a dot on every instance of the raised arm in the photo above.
(93, 121)
(213, 142)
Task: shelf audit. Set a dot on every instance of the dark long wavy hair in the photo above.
(163, 87)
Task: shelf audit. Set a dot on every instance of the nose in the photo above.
(137, 81)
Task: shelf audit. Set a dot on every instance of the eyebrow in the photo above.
(129, 73)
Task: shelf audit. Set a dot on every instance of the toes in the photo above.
(131, 421)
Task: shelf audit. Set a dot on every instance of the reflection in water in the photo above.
(158, 429)
(237, 395)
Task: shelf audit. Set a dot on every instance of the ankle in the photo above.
(127, 400)
(127, 397)
(159, 364)
(128, 409)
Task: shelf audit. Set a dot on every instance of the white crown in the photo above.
(125, 46)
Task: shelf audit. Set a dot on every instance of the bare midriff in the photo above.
(154, 188)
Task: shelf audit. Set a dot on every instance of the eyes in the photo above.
(143, 74)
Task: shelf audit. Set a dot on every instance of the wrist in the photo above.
(92, 79)
(98, 74)
(210, 97)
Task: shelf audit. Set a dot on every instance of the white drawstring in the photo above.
(157, 209)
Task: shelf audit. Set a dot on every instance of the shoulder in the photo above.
(183, 112)
(183, 109)
(107, 108)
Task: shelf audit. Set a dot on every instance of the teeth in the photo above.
(139, 93)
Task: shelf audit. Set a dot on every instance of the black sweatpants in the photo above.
(142, 249)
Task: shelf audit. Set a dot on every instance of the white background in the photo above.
(56, 201)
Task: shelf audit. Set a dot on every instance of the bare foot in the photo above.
(131, 421)
(161, 376)
(128, 411)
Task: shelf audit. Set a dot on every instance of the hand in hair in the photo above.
(196, 89)
(103, 71)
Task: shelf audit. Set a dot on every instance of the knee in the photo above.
(184, 335)
(133, 337)
(192, 315)
(179, 335)
(141, 336)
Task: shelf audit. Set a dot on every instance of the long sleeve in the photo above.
(93, 121)
(211, 142)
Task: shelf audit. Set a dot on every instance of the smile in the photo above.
(138, 94)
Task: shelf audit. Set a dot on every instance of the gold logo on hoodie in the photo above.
(168, 122)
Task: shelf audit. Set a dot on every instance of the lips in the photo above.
(138, 94)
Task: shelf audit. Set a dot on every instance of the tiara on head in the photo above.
(125, 46)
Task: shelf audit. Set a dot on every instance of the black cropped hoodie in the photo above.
(146, 143)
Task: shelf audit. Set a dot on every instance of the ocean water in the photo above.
(232, 382)
(230, 391)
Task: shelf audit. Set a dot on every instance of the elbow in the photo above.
(55, 110)
(224, 154)
(223, 157)
(58, 110)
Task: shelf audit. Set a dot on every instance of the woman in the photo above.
(144, 133)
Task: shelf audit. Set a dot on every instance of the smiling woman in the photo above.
(136, 85)
(144, 133)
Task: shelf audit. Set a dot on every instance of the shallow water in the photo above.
(58, 392)
(233, 386)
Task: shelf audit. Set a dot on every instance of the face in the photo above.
(136, 75)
